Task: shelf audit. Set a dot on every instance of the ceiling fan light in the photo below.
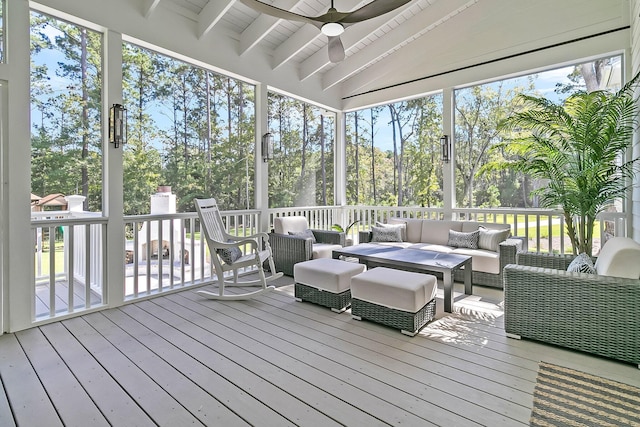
(332, 29)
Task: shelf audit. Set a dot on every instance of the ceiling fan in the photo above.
(332, 23)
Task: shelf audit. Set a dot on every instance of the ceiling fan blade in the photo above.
(336, 49)
(276, 11)
(373, 9)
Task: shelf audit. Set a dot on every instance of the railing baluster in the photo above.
(70, 273)
(52, 271)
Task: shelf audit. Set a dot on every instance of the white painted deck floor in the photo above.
(179, 360)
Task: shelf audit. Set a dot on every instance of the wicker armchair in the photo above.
(595, 313)
(289, 250)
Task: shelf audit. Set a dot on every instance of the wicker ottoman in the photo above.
(396, 298)
(325, 281)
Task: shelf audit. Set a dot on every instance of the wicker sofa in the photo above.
(289, 249)
(596, 313)
(433, 235)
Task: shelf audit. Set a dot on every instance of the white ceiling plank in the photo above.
(255, 32)
(148, 7)
(211, 14)
(294, 44)
(410, 29)
(262, 26)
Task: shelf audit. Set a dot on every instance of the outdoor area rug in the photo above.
(565, 397)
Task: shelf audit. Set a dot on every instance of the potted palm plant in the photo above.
(579, 149)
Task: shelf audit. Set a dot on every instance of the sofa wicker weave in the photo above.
(288, 250)
(594, 313)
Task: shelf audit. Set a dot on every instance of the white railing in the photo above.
(69, 263)
(544, 229)
(166, 252)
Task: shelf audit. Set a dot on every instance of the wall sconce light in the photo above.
(267, 147)
(446, 148)
(118, 125)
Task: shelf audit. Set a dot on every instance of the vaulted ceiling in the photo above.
(420, 39)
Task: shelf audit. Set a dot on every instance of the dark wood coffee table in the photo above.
(419, 260)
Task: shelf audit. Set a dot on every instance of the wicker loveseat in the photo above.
(289, 249)
(433, 235)
(595, 313)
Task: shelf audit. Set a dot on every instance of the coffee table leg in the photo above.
(468, 286)
(447, 278)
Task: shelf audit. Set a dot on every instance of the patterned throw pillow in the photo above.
(582, 264)
(229, 255)
(306, 234)
(491, 239)
(384, 234)
(402, 227)
(459, 239)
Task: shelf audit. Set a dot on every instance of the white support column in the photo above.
(262, 168)
(113, 205)
(448, 127)
(19, 269)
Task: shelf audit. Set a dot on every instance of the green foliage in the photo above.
(66, 155)
(338, 227)
(302, 171)
(404, 169)
(577, 148)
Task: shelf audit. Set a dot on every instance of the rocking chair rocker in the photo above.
(227, 255)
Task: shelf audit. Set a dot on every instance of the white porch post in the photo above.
(18, 269)
(261, 192)
(113, 205)
(448, 126)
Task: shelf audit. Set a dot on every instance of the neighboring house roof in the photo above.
(56, 200)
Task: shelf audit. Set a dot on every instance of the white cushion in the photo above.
(619, 257)
(324, 250)
(481, 259)
(285, 224)
(329, 274)
(414, 228)
(397, 289)
(435, 231)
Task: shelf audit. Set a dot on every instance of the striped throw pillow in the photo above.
(490, 239)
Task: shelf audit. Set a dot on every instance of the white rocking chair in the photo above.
(226, 254)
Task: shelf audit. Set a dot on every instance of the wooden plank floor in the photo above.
(180, 360)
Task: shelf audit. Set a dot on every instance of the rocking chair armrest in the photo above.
(259, 235)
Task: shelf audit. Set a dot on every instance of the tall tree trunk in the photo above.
(373, 159)
(185, 129)
(304, 145)
(392, 112)
(85, 119)
(323, 169)
(208, 141)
